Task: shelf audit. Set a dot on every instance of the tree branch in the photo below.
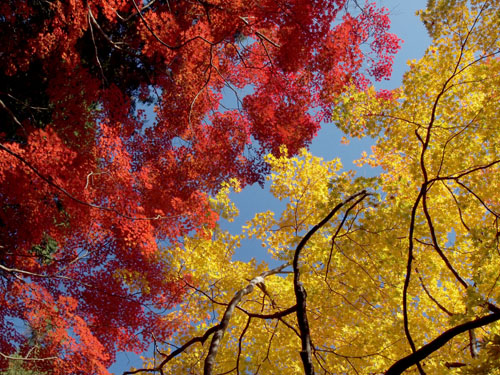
(300, 292)
(219, 329)
(11, 358)
(219, 333)
(426, 350)
(176, 47)
(408, 272)
(49, 181)
(276, 315)
(436, 244)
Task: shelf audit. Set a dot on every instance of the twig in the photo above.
(49, 181)
(13, 117)
(436, 244)
(91, 19)
(259, 34)
(441, 307)
(94, 21)
(178, 46)
(26, 358)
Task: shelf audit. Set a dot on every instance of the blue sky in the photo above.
(254, 199)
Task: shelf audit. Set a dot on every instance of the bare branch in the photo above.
(11, 358)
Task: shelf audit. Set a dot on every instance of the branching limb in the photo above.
(219, 333)
(300, 292)
(426, 350)
(219, 329)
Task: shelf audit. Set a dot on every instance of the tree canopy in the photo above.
(109, 216)
(394, 273)
(114, 136)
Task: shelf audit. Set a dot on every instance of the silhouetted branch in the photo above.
(426, 350)
(300, 292)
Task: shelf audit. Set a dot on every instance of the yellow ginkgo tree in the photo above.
(394, 273)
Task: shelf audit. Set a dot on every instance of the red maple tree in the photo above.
(89, 183)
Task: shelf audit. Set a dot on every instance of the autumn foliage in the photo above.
(397, 273)
(114, 135)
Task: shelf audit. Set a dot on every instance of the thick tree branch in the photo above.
(300, 292)
(219, 329)
(239, 344)
(408, 272)
(175, 353)
(276, 315)
(426, 350)
(219, 333)
(422, 196)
